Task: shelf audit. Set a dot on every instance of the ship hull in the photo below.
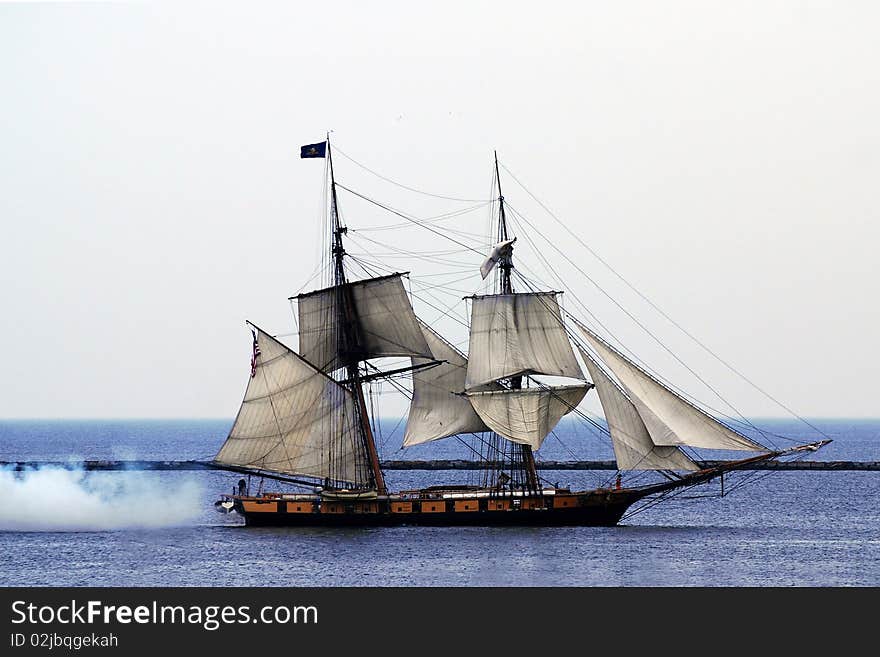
(608, 517)
(594, 509)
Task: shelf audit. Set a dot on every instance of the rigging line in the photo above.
(317, 271)
(402, 253)
(444, 273)
(400, 226)
(375, 268)
(447, 312)
(411, 220)
(393, 251)
(432, 219)
(397, 249)
(565, 447)
(452, 271)
(652, 502)
(646, 330)
(444, 312)
(423, 260)
(662, 312)
(746, 479)
(553, 433)
(368, 271)
(443, 286)
(473, 449)
(423, 256)
(757, 475)
(394, 182)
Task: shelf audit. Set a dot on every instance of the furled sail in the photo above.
(633, 447)
(438, 409)
(526, 415)
(294, 419)
(513, 334)
(669, 418)
(381, 315)
(500, 250)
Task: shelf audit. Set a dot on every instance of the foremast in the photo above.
(524, 457)
(348, 346)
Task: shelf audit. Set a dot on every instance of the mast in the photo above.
(346, 334)
(524, 452)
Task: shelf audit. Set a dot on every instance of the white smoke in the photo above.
(57, 499)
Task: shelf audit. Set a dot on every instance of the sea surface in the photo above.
(69, 528)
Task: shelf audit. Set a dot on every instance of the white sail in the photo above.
(438, 409)
(669, 418)
(383, 319)
(528, 415)
(513, 334)
(294, 419)
(633, 447)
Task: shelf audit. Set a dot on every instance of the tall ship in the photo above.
(303, 443)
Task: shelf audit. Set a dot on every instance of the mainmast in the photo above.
(347, 336)
(526, 456)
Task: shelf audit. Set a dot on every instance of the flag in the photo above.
(254, 357)
(314, 150)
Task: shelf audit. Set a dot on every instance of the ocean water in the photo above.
(67, 528)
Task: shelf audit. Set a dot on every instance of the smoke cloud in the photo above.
(57, 499)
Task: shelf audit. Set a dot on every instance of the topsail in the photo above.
(381, 319)
(514, 334)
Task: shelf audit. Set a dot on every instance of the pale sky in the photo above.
(723, 157)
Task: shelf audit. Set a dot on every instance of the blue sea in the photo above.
(68, 528)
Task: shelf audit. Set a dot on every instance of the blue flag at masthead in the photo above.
(314, 150)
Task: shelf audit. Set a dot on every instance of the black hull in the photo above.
(551, 518)
(600, 513)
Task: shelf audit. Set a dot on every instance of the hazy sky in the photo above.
(724, 157)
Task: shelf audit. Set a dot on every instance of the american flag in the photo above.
(254, 357)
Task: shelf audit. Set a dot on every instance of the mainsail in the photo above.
(633, 448)
(438, 409)
(381, 320)
(669, 419)
(294, 419)
(514, 334)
